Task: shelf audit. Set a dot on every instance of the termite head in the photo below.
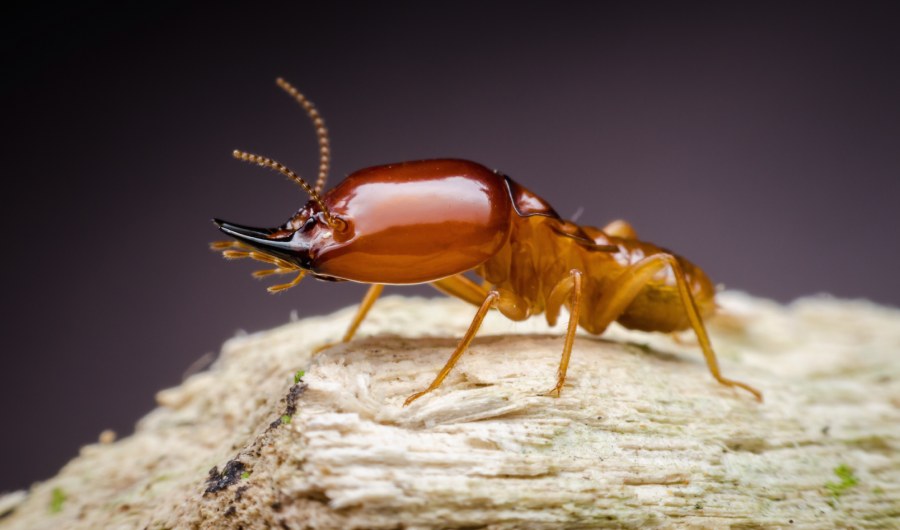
(403, 223)
(298, 243)
(400, 223)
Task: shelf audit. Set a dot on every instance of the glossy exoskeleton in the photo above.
(431, 221)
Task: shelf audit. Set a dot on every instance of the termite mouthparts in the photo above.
(433, 221)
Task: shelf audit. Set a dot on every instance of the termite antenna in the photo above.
(321, 131)
(284, 170)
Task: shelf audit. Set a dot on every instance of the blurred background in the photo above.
(761, 140)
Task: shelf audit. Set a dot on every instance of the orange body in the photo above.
(537, 257)
(431, 221)
(417, 222)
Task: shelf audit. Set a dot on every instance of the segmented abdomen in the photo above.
(540, 253)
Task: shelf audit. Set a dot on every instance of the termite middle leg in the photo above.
(626, 287)
(571, 285)
(371, 295)
(509, 304)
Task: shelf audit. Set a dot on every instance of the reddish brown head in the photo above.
(402, 223)
(412, 222)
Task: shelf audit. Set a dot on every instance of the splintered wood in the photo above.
(641, 437)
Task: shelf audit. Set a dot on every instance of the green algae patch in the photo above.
(846, 481)
(57, 499)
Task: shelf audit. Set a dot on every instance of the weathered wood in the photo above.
(641, 437)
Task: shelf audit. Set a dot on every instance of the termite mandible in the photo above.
(431, 221)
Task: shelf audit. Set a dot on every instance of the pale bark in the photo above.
(641, 437)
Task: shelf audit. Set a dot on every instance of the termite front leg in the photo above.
(629, 284)
(570, 286)
(371, 295)
(508, 303)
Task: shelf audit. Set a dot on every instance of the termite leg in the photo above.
(268, 272)
(462, 288)
(489, 301)
(285, 286)
(371, 295)
(511, 305)
(620, 228)
(224, 245)
(690, 307)
(570, 285)
(623, 291)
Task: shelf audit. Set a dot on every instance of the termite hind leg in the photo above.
(690, 307)
(371, 295)
(490, 300)
(572, 286)
(624, 290)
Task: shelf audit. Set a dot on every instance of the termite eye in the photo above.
(342, 229)
(339, 224)
(309, 224)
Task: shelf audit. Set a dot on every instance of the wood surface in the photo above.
(641, 437)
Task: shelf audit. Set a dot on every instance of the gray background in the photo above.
(760, 140)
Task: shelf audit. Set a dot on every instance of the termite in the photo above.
(433, 221)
